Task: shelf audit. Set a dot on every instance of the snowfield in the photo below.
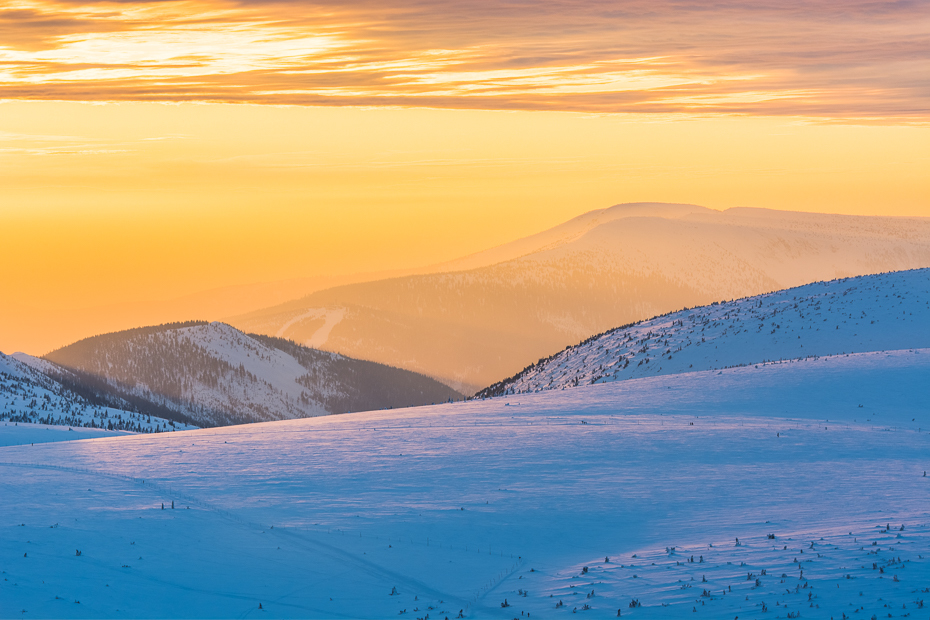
(585, 500)
(882, 312)
(20, 433)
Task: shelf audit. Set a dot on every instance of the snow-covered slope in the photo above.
(29, 396)
(22, 433)
(474, 325)
(461, 507)
(214, 374)
(869, 313)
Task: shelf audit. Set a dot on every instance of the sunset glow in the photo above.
(367, 309)
(851, 59)
(150, 150)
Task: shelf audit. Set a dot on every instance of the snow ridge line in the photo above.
(774, 326)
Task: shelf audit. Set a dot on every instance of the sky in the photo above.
(152, 150)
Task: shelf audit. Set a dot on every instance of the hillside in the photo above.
(477, 322)
(217, 375)
(581, 500)
(869, 313)
(30, 397)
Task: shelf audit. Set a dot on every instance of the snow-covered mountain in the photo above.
(214, 374)
(479, 321)
(882, 312)
(29, 396)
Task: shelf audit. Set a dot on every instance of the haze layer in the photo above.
(414, 135)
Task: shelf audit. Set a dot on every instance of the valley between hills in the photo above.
(651, 411)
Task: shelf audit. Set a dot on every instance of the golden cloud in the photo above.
(836, 60)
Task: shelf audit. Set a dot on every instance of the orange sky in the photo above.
(836, 59)
(150, 150)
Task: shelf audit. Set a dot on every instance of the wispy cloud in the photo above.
(859, 59)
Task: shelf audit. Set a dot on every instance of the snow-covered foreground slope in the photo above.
(29, 396)
(869, 313)
(214, 374)
(21, 433)
(466, 505)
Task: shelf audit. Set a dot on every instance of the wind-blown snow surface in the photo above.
(462, 506)
(869, 313)
(20, 433)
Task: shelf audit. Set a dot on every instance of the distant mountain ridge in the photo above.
(881, 312)
(569, 231)
(468, 328)
(216, 375)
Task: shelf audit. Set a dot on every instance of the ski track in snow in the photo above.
(322, 517)
(331, 316)
(314, 313)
